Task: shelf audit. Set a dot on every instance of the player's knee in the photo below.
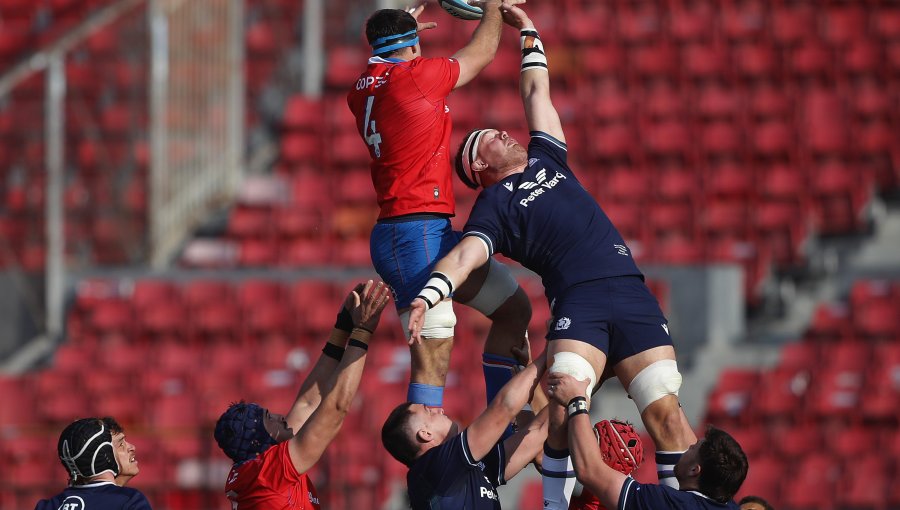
(655, 381)
(439, 321)
(575, 365)
(498, 287)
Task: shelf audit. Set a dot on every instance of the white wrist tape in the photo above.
(533, 56)
(438, 288)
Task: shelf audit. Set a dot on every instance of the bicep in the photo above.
(469, 67)
(485, 431)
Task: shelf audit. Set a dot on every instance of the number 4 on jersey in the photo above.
(373, 139)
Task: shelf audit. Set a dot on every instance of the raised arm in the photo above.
(319, 380)
(449, 273)
(481, 49)
(604, 481)
(534, 81)
(487, 429)
(308, 444)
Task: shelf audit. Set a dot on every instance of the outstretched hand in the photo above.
(514, 16)
(416, 317)
(563, 387)
(366, 302)
(415, 11)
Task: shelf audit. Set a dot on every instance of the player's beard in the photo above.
(516, 156)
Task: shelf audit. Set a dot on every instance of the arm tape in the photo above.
(533, 56)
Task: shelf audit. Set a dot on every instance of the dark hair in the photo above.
(756, 499)
(723, 465)
(396, 437)
(387, 22)
(458, 162)
(112, 425)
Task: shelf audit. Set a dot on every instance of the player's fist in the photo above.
(416, 317)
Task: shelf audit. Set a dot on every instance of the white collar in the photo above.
(92, 485)
(704, 496)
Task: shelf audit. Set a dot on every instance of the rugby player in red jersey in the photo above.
(273, 453)
(402, 113)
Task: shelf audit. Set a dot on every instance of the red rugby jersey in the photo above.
(271, 482)
(402, 114)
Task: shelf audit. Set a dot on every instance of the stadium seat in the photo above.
(730, 180)
(755, 62)
(844, 24)
(831, 321)
(813, 486)
(250, 222)
(792, 23)
(865, 483)
(302, 114)
(764, 476)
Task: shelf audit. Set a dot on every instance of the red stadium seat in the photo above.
(844, 24)
(764, 475)
(811, 61)
(301, 147)
(638, 23)
(691, 21)
(705, 62)
(793, 23)
(756, 61)
(150, 293)
(770, 102)
(677, 184)
(865, 483)
(813, 487)
(258, 253)
(831, 321)
(794, 442)
(718, 103)
(743, 20)
(302, 114)
(654, 61)
(250, 222)
(199, 293)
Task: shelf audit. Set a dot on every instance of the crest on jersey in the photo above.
(532, 161)
(508, 185)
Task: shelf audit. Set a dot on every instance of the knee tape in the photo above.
(495, 290)
(654, 382)
(438, 322)
(576, 366)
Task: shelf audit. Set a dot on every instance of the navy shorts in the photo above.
(618, 315)
(405, 250)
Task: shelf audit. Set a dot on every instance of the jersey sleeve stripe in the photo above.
(559, 474)
(488, 244)
(464, 439)
(551, 139)
(623, 494)
(501, 466)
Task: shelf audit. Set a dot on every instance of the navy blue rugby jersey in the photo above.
(637, 496)
(96, 496)
(446, 477)
(546, 220)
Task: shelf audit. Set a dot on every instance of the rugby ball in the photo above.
(461, 9)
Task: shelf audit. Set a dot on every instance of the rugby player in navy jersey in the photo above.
(709, 473)
(87, 453)
(450, 469)
(534, 210)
